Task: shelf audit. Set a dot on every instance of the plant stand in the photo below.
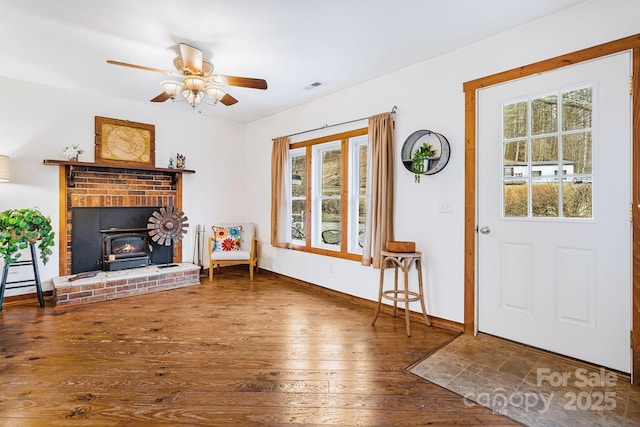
(23, 283)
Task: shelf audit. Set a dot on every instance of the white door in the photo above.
(554, 194)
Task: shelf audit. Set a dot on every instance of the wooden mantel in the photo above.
(72, 165)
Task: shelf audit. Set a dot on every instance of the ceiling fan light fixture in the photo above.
(194, 83)
(192, 97)
(172, 88)
(215, 92)
(196, 80)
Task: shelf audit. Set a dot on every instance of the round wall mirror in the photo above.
(439, 146)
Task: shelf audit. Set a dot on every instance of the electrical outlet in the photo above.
(331, 270)
(445, 206)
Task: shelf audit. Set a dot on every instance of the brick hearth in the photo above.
(108, 285)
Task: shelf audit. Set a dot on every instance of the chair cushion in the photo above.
(227, 238)
(231, 255)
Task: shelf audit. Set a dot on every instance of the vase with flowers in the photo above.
(72, 152)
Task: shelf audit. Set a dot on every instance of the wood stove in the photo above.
(125, 248)
(90, 226)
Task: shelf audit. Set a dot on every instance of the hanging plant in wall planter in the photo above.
(420, 159)
(19, 227)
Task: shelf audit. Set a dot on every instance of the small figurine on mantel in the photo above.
(180, 161)
(170, 163)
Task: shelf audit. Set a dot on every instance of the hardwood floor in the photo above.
(232, 352)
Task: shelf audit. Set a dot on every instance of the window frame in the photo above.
(349, 174)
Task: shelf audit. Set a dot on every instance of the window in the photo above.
(551, 138)
(328, 194)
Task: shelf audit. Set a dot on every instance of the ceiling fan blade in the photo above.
(243, 81)
(192, 58)
(139, 67)
(228, 99)
(161, 98)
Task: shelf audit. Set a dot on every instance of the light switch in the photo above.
(445, 206)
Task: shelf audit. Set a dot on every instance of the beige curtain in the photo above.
(279, 193)
(380, 184)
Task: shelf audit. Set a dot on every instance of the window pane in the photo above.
(576, 148)
(362, 209)
(331, 172)
(577, 200)
(577, 109)
(299, 176)
(331, 222)
(514, 120)
(544, 115)
(298, 229)
(516, 199)
(515, 159)
(515, 151)
(362, 170)
(544, 199)
(544, 149)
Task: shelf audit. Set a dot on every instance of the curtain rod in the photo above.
(393, 111)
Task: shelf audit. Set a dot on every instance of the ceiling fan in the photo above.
(197, 81)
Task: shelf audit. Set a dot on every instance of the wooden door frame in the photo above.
(470, 88)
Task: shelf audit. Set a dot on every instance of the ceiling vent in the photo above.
(313, 85)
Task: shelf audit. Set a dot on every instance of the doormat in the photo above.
(531, 386)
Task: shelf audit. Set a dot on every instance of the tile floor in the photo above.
(531, 386)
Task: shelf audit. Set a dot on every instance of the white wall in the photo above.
(429, 96)
(38, 122)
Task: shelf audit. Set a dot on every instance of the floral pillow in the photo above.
(227, 238)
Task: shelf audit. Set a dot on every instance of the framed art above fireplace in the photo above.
(124, 142)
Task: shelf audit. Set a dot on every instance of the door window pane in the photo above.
(577, 109)
(544, 198)
(577, 149)
(516, 199)
(515, 159)
(544, 149)
(577, 199)
(514, 120)
(544, 115)
(515, 151)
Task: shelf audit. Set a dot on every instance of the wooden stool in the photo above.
(404, 261)
(33, 262)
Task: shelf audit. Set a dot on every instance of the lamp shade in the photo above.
(194, 83)
(215, 92)
(5, 169)
(172, 87)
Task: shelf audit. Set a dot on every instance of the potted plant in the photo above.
(422, 154)
(19, 227)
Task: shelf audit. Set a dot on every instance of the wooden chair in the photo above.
(248, 253)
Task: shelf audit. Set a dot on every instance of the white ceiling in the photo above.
(289, 43)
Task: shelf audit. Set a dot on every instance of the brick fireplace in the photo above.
(92, 185)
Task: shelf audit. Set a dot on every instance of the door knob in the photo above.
(485, 230)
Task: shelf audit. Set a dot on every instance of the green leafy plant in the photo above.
(423, 153)
(19, 227)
